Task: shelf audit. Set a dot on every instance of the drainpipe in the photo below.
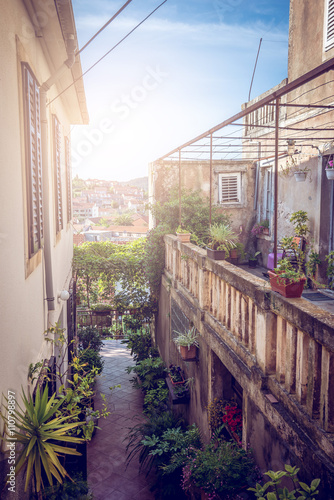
(50, 295)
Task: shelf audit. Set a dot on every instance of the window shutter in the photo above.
(68, 178)
(34, 161)
(230, 188)
(330, 25)
(57, 167)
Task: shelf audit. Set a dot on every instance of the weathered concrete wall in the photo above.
(195, 176)
(307, 33)
(306, 37)
(270, 346)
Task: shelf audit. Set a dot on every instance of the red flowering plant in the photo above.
(227, 413)
(233, 419)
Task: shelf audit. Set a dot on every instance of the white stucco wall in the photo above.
(24, 312)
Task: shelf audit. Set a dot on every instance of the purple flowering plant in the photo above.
(259, 227)
(329, 165)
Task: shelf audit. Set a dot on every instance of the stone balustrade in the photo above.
(290, 341)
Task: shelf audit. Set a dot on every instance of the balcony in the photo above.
(279, 350)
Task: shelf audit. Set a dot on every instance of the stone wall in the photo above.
(275, 355)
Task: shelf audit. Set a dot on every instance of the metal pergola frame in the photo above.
(207, 146)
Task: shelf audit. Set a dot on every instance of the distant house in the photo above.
(38, 62)
(116, 234)
(84, 210)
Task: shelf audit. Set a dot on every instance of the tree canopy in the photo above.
(99, 266)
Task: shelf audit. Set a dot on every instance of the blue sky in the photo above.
(186, 69)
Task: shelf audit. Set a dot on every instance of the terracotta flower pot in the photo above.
(286, 288)
(180, 382)
(188, 353)
(183, 237)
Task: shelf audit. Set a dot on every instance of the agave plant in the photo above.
(38, 429)
(222, 237)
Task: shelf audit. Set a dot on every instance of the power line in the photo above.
(103, 27)
(107, 53)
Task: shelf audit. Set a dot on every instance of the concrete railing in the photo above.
(291, 341)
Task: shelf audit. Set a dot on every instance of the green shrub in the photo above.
(101, 307)
(220, 468)
(89, 337)
(155, 425)
(156, 400)
(140, 343)
(170, 451)
(69, 490)
(149, 371)
(91, 359)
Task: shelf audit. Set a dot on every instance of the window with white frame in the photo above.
(57, 170)
(33, 144)
(230, 187)
(329, 24)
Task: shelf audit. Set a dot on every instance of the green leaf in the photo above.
(315, 483)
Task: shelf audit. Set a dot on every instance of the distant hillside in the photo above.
(140, 182)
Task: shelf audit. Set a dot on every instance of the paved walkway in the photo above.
(108, 477)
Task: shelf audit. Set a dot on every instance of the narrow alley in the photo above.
(108, 476)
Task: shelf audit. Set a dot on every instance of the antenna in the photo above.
(254, 69)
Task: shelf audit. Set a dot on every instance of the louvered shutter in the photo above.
(57, 168)
(329, 43)
(68, 178)
(34, 161)
(230, 188)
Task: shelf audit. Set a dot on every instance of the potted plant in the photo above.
(238, 250)
(181, 393)
(261, 227)
(292, 168)
(183, 235)
(312, 269)
(41, 430)
(187, 343)
(330, 269)
(252, 259)
(330, 169)
(286, 280)
(222, 240)
(176, 375)
(219, 469)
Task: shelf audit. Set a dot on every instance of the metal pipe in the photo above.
(180, 191)
(276, 180)
(210, 213)
(257, 177)
(50, 295)
(330, 245)
(310, 75)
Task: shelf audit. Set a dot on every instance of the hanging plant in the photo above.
(330, 167)
(292, 168)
